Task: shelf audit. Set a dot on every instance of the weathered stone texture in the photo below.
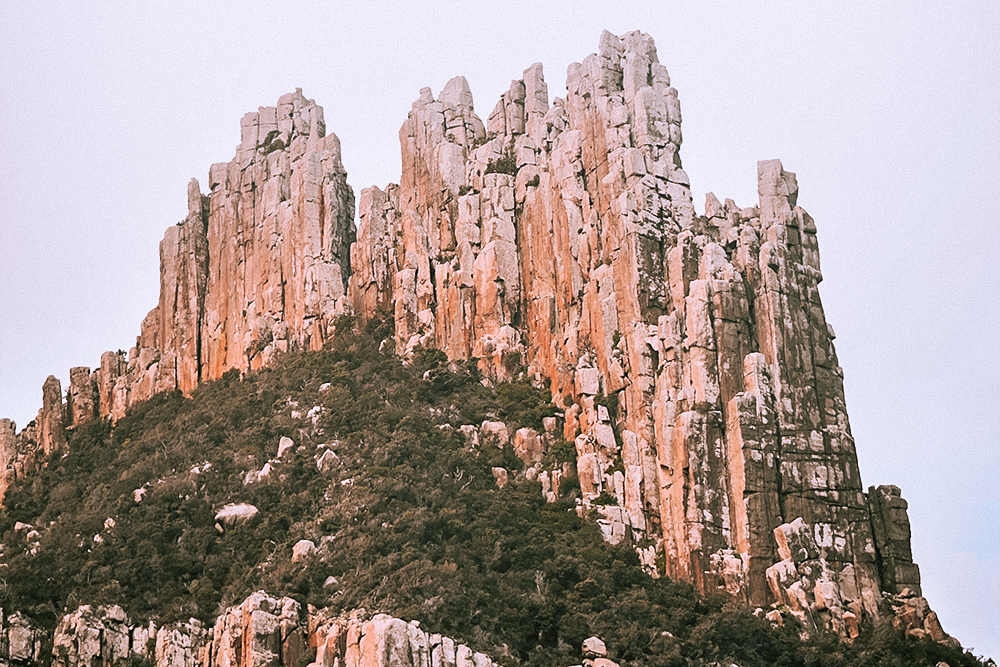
(384, 641)
(8, 455)
(259, 266)
(891, 527)
(263, 631)
(557, 241)
(51, 420)
(564, 240)
(20, 640)
(82, 398)
(280, 223)
(92, 636)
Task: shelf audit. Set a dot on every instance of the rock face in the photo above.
(891, 527)
(90, 636)
(384, 641)
(258, 266)
(262, 631)
(558, 241)
(563, 239)
(20, 640)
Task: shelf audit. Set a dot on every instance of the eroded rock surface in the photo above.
(557, 241)
(698, 372)
(384, 641)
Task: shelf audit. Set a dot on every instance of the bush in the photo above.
(506, 163)
(409, 522)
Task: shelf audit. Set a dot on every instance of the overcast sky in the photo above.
(888, 112)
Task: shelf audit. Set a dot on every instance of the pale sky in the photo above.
(888, 113)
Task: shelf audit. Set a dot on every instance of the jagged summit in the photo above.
(558, 240)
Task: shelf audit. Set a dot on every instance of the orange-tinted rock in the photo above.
(183, 286)
(691, 353)
(279, 227)
(384, 641)
(258, 267)
(569, 245)
(82, 398)
(51, 418)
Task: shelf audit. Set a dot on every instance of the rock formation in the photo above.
(563, 239)
(261, 630)
(383, 641)
(257, 267)
(20, 639)
(559, 241)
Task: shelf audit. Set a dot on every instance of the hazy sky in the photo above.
(888, 113)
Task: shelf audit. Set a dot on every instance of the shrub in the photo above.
(506, 163)
(419, 530)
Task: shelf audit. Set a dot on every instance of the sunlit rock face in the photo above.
(258, 267)
(557, 241)
(561, 239)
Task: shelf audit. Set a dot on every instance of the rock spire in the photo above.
(556, 240)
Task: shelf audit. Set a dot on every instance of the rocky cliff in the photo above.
(557, 240)
(261, 630)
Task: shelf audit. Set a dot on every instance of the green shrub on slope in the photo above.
(408, 520)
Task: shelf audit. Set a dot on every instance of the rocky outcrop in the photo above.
(698, 372)
(51, 421)
(91, 636)
(557, 241)
(101, 635)
(912, 615)
(20, 640)
(891, 528)
(262, 631)
(280, 224)
(23, 453)
(8, 454)
(82, 400)
(384, 641)
(258, 267)
(270, 631)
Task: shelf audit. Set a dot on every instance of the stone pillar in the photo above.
(891, 527)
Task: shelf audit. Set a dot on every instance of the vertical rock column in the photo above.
(183, 285)
(374, 257)
(280, 223)
(752, 458)
(819, 477)
(8, 454)
(51, 420)
(691, 352)
(81, 399)
(113, 367)
(351, 641)
(256, 268)
(434, 295)
(262, 630)
(891, 528)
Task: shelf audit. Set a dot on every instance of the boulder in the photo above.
(302, 549)
(594, 647)
(236, 514)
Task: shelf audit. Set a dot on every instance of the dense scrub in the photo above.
(409, 521)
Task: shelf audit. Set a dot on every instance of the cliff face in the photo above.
(256, 268)
(261, 630)
(564, 239)
(690, 352)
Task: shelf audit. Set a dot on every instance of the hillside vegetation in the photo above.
(407, 517)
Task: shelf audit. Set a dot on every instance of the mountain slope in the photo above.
(406, 514)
